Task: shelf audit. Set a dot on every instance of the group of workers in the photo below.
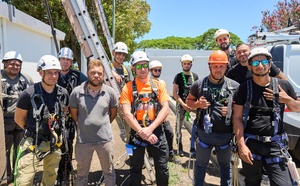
(244, 96)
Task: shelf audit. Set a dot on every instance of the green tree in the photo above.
(131, 20)
(171, 42)
(279, 18)
(203, 42)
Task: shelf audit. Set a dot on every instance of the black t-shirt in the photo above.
(241, 73)
(183, 90)
(217, 95)
(49, 99)
(72, 79)
(261, 114)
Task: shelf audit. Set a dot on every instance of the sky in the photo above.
(191, 18)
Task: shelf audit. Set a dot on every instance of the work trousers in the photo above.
(84, 154)
(12, 139)
(180, 117)
(277, 171)
(28, 163)
(160, 156)
(168, 129)
(169, 136)
(203, 155)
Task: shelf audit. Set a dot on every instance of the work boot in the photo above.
(173, 159)
(10, 179)
(181, 153)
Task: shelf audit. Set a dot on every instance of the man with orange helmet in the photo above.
(212, 97)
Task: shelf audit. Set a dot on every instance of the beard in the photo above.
(186, 70)
(95, 84)
(224, 47)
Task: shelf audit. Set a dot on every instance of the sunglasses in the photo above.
(157, 70)
(256, 62)
(222, 39)
(140, 66)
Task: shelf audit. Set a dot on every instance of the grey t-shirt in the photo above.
(93, 113)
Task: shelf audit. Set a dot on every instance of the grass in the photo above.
(178, 176)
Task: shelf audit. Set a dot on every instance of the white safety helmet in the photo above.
(65, 52)
(221, 32)
(155, 63)
(139, 56)
(120, 47)
(12, 55)
(186, 57)
(48, 62)
(259, 51)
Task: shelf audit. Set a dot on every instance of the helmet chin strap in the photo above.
(45, 81)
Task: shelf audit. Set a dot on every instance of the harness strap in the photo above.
(247, 105)
(229, 102)
(139, 143)
(221, 147)
(153, 97)
(204, 90)
(276, 105)
(268, 160)
(277, 138)
(123, 67)
(193, 137)
(44, 119)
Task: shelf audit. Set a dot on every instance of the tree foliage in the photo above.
(203, 42)
(279, 18)
(131, 20)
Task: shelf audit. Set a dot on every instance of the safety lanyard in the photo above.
(184, 79)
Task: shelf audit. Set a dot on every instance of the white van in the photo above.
(287, 58)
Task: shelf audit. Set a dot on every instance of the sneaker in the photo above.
(173, 159)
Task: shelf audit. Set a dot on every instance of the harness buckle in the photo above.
(266, 138)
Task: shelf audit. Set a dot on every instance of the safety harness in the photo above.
(70, 81)
(186, 90)
(124, 76)
(45, 121)
(144, 106)
(9, 91)
(279, 138)
(207, 124)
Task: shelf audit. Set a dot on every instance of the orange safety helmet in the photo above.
(218, 56)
